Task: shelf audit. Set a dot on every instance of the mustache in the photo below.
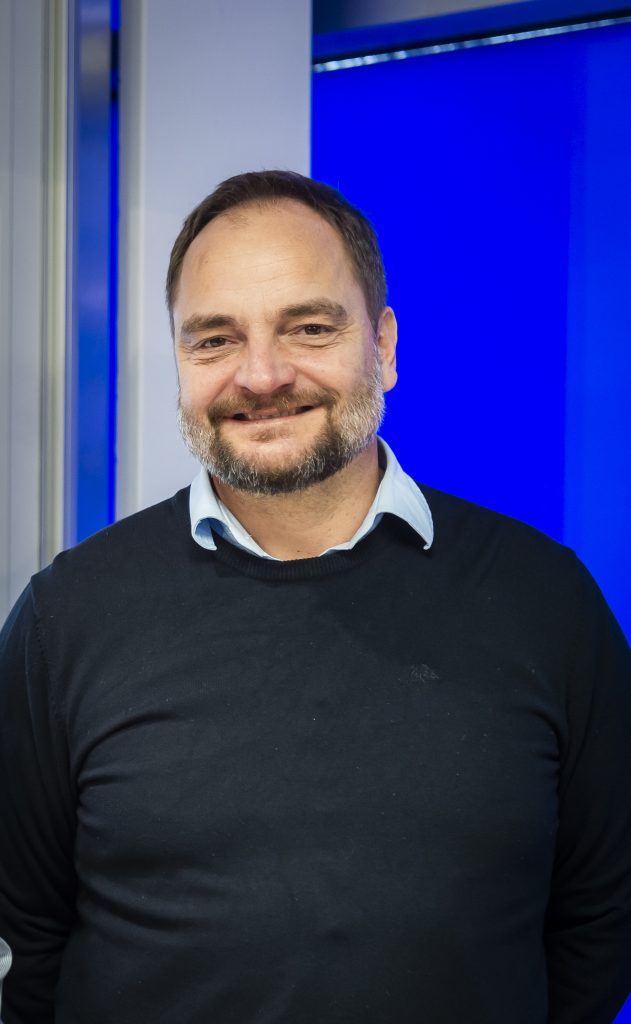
(283, 403)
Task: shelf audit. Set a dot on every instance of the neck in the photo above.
(306, 523)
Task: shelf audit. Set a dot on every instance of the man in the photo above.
(305, 743)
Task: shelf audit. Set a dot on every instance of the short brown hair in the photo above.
(355, 230)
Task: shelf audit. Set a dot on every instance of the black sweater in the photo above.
(386, 786)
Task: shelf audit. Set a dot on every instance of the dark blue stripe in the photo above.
(342, 42)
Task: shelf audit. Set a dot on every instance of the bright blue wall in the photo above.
(498, 180)
(91, 378)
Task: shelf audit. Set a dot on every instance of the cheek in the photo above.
(198, 387)
(339, 370)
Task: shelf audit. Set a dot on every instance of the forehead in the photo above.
(277, 247)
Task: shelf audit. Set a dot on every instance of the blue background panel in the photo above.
(91, 412)
(497, 178)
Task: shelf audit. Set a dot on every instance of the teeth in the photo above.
(269, 415)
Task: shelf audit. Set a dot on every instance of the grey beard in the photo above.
(348, 431)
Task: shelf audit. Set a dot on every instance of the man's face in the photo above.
(281, 373)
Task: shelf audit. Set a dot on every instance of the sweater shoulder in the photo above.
(518, 558)
(127, 548)
(527, 575)
(459, 522)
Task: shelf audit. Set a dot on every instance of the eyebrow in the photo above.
(315, 307)
(199, 322)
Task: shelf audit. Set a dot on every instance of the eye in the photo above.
(314, 330)
(216, 342)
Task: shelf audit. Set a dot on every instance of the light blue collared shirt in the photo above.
(397, 494)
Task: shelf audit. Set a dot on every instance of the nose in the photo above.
(264, 367)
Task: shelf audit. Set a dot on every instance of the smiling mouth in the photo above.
(270, 414)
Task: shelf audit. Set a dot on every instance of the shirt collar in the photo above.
(398, 494)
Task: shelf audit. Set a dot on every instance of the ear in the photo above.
(387, 347)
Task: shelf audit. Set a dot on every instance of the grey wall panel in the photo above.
(22, 240)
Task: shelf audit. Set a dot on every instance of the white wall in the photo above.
(208, 89)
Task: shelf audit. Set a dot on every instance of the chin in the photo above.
(282, 475)
(269, 462)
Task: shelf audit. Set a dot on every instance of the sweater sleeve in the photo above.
(37, 883)
(588, 925)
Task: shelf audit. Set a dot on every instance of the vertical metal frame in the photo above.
(55, 276)
(23, 170)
